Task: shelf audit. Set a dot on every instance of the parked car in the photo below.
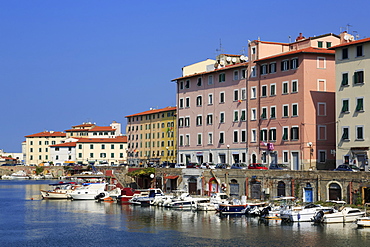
(257, 166)
(239, 166)
(180, 166)
(279, 167)
(348, 168)
(191, 165)
(222, 166)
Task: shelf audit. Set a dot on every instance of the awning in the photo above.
(171, 177)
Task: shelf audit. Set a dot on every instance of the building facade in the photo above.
(151, 137)
(212, 113)
(352, 58)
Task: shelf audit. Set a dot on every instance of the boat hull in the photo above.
(55, 195)
(232, 209)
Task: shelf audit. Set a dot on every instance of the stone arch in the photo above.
(253, 158)
(192, 185)
(334, 191)
(213, 186)
(234, 187)
(281, 189)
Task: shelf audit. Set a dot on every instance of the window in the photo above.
(210, 99)
(264, 113)
(236, 95)
(294, 133)
(328, 44)
(263, 135)
(345, 79)
(264, 91)
(319, 44)
(222, 117)
(253, 71)
(209, 119)
(210, 138)
(294, 63)
(199, 139)
(253, 135)
(91, 146)
(187, 84)
(285, 110)
(187, 102)
(345, 53)
(91, 155)
(222, 97)
(236, 116)
(103, 146)
(221, 77)
(345, 105)
(322, 156)
(243, 115)
(285, 156)
(360, 133)
(263, 69)
(253, 92)
(253, 50)
(284, 65)
(235, 136)
(294, 110)
(181, 85)
(222, 140)
(243, 74)
(243, 136)
(321, 85)
(345, 133)
(360, 104)
(199, 101)
(272, 134)
(321, 132)
(294, 86)
(243, 94)
(181, 140)
(253, 114)
(321, 106)
(187, 140)
(210, 79)
(285, 87)
(358, 77)
(359, 51)
(272, 89)
(272, 67)
(187, 121)
(273, 112)
(199, 120)
(285, 133)
(199, 82)
(181, 122)
(236, 75)
(321, 62)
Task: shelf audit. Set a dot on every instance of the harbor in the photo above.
(27, 220)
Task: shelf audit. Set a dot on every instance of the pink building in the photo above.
(292, 103)
(212, 113)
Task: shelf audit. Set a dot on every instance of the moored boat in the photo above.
(59, 190)
(344, 214)
(88, 191)
(16, 175)
(364, 221)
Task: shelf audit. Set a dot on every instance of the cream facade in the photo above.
(352, 59)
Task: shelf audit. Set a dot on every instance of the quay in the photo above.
(307, 186)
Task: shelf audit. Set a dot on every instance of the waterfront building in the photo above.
(212, 113)
(151, 137)
(352, 60)
(91, 130)
(13, 158)
(38, 146)
(291, 102)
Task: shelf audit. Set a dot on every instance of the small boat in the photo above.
(302, 214)
(187, 203)
(215, 200)
(16, 175)
(344, 214)
(88, 191)
(235, 206)
(147, 200)
(364, 221)
(59, 190)
(109, 196)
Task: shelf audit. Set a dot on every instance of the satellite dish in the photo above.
(234, 60)
(222, 62)
(228, 59)
(346, 37)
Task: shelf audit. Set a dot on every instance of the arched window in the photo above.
(335, 192)
(281, 188)
(234, 187)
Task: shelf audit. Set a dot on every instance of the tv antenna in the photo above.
(221, 49)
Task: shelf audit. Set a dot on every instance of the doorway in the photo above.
(295, 159)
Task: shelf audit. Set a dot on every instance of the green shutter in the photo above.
(360, 104)
(345, 79)
(345, 106)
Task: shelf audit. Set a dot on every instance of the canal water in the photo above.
(26, 220)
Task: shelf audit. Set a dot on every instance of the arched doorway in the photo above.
(308, 193)
(256, 189)
(192, 185)
(281, 189)
(213, 186)
(254, 158)
(335, 191)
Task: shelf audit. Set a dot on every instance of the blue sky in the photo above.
(66, 62)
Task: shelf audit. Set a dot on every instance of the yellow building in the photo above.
(151, 137)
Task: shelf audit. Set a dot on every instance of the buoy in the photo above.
(31, 198)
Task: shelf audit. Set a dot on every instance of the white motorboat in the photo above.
(215, 200)
(109, 196)
(59, 191)
(16, 175)
(302, 214)
(88, 191)
(344, 214)
(187, 202)
(148, 199)
(364, 221)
